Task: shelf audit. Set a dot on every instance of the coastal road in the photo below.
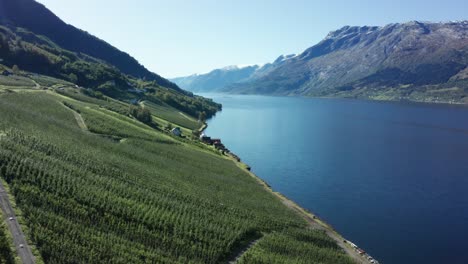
(19, 239)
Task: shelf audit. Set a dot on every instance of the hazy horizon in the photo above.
(179, 38)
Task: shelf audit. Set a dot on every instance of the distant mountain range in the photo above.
(220, 79)
(216, 79)
(418, 61)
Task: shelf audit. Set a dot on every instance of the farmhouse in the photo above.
(6, 73)
(217, 144)
(205, 139)
(176, 132)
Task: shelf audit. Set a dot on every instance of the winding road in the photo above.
(19, 239)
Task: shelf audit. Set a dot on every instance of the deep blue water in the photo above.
(391, 177)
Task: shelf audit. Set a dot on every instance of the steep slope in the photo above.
(95, 185)
(355, 61)
(37, 18)
(220, 79)
(37, 53)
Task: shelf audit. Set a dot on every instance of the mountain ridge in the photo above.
(218, 79)
(356, 58)
(36, 17)
(215, 79)
(397, 61)
(33, 54)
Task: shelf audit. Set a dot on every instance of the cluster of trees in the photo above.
(193, 105)
(93, 93)
(42, 57)
(34, 54)
(140, 113)
(15, 69)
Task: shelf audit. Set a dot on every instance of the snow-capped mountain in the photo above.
(221, 79)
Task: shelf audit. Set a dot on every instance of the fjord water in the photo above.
(391, 177)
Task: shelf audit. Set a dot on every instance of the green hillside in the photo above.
(166, 112)
(35, 17)
(38, 54)
(96, 185)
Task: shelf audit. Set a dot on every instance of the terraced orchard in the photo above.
(89, 198)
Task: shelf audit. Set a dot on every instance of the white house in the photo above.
(176, 132)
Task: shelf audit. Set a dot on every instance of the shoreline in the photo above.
(404, 101)
(312, 219)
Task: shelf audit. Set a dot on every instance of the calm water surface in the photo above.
(391, 177)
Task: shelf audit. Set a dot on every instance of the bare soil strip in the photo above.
(80, 121)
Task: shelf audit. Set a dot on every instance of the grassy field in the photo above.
(162, 113)
(47, 81)
(166, 112)
(16, 82)
(91, 197)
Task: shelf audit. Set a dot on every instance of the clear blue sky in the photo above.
(182, 37)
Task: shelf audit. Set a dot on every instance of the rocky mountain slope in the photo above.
(414, 61)
(417, 61)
